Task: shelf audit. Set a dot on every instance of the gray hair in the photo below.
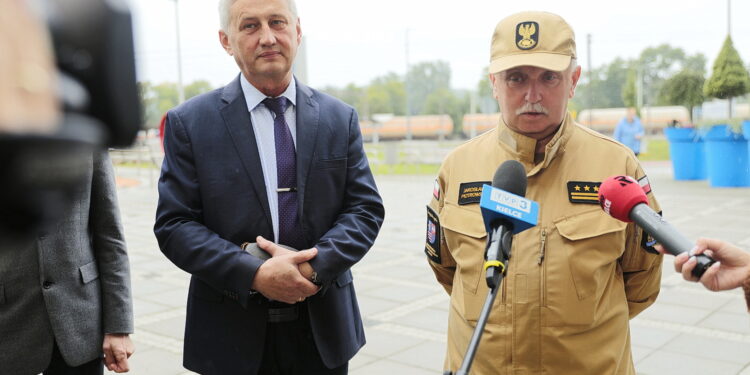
(224, 6)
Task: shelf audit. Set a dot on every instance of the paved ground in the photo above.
(688, 330)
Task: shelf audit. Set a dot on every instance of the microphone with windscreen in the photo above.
(505, 212)
(623, 198)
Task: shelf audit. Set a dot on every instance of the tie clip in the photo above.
(286, 190)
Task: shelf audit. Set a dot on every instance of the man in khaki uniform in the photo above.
(576, 278)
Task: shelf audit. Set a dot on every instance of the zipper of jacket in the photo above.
(541, 248)
(543, 270)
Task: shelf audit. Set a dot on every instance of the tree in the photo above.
(423, 79)
(444, 101)
(352, 95)
(729, 77)
(196, 88)
(684, 88)
(629, 90)
(659, 63)
(485, 97)
(386, 94)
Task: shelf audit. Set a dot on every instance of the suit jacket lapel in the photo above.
(308, 118)
(237, 120)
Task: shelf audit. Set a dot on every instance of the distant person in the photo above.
(629, 131)
(731, 270)
(66, 301)
(267, 157)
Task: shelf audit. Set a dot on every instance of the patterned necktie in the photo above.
(290, 233)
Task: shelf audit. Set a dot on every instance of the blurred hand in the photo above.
(731, 269)
(117, 348)
(281, 278)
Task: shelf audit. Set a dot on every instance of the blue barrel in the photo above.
(686, 149)
(727, 157)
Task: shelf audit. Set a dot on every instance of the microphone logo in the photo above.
(606, 205)
(511, 200)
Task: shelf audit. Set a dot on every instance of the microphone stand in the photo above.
(498, 255)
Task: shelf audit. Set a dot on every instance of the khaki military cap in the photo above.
(538, 39)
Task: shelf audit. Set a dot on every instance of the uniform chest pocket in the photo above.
(582, 260)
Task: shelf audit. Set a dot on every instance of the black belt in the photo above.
(283, 314)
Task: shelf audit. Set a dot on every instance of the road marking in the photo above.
(409, 308)
(698, 331)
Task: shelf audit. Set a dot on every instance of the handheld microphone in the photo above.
(505, 212)
(623, 198)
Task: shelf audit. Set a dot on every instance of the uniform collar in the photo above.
(522, 147)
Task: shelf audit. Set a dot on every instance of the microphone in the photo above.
(505, 212)
(623, 198)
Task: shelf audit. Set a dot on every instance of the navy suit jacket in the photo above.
(212, 198)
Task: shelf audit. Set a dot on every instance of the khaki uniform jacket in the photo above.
(573, 281)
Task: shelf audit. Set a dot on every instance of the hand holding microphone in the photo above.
(623, 198)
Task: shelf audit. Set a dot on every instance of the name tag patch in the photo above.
(470, 192)
(583, 192)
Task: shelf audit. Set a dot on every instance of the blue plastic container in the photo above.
(727, 157)
(686, 149)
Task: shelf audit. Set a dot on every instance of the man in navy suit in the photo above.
(267, 157)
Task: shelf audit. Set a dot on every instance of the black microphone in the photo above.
(509, 177)
(623, 198)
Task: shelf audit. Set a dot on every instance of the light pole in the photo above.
(406, 90)
(180, 88)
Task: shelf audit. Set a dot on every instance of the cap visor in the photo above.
(544, 60)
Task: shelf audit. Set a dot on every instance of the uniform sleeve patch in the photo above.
(470, 192)
(583, 192)
(645, 184)
(436, 190)
(432, 242)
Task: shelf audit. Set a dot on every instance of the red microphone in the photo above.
(623, 198)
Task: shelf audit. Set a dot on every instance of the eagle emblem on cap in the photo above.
(527, 35)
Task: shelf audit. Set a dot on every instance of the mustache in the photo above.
(529, 107)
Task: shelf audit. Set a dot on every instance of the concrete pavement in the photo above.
(688, 331)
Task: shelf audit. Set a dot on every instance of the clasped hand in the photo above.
(286, 275)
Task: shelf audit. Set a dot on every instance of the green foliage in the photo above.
(729, 77)
(629, 92)
(423, 79)
(158, 99)
(386, 94)
(485, 98)
(656, 149)
(445, 101)
(684, 88)
(196, 88)
(614, 84)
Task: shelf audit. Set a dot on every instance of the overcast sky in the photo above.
(357, 40)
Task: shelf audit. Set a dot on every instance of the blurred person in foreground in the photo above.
(629, 131)
(65, 295)
(267, 158)
(575, 279)
(731, 270)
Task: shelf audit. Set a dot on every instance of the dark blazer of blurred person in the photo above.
(65, 301)
(295, 313)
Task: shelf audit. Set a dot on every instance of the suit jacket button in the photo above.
(47, 284)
